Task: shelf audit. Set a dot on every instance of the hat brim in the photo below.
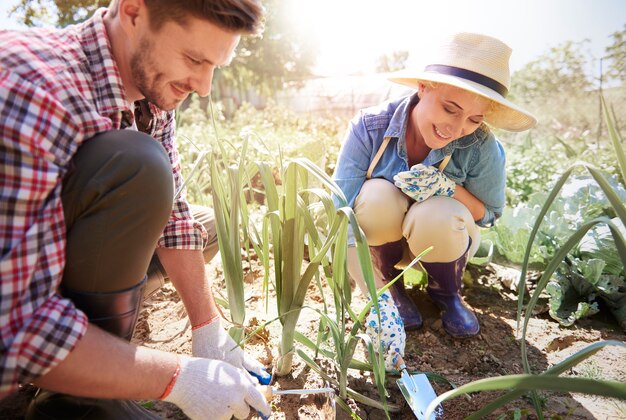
(505, 115)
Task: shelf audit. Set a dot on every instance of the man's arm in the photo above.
(104, 366)
(185, 269)
(122, 371)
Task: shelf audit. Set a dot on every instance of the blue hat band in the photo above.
(469, 75)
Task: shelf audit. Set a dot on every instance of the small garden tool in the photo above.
(269, 392)
(417, 391)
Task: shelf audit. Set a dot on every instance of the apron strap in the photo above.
(377, 157)
(381, 150)
(444, 163)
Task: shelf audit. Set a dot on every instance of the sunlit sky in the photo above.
(352, 34)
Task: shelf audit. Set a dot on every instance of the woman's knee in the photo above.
(443, 223)
(380, 208)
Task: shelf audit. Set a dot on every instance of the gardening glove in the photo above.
(211, 341)
(390, 331)
(214, 389)
(422, 182)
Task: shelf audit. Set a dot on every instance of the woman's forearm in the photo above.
(473, 204)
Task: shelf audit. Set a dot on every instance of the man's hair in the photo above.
(242, 16)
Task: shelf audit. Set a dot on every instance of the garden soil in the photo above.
(496, 351)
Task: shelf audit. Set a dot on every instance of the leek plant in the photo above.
(289, 227)
(228, 205)
(327, 246)
(300, 217)
(518, 385)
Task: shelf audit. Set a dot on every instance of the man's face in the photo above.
(169, 64)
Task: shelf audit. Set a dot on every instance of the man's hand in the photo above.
(211, 341)
(422, 182)
(217, 390)
(390, 331)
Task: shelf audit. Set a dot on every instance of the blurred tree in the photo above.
(392, 62)
(280, 57)
(283, 56)
(556, 88)
(55, 12)
(560, 71)
(616, 53)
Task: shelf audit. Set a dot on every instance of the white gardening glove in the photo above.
(422, 182)
(211, 341)
(212, 389)
(391, 329)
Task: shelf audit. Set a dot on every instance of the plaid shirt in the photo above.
(58, 88)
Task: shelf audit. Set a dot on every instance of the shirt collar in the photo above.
(110, 93)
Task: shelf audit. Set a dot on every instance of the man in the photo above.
(86, 198)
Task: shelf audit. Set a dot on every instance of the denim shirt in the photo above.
(477, 163)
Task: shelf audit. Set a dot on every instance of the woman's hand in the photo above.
(422, 182)
(390, 331)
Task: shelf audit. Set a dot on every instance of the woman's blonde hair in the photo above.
(493, 106)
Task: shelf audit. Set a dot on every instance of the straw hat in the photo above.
(479, 64)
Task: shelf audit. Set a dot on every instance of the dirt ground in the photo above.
(496, 351)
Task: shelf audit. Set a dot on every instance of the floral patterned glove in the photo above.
(422, 182)
(391, 329)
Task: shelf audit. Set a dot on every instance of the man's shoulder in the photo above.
(40, 55)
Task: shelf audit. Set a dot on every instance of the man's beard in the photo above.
(147, 81)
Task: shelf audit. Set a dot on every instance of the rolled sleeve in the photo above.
(487, 179)
(40, 343)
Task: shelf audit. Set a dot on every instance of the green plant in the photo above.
(292, 229)
(227, 192)
(518, 385)
(288, 229)
(620, 242)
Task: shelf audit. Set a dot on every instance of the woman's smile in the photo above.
(440, 135)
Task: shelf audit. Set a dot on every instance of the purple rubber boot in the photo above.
(385, 258)
(444, 286)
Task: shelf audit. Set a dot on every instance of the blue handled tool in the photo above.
(264, 379)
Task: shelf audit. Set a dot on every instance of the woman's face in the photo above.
(446, 113)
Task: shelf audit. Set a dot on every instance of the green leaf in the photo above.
(535, 382)
(615, 140)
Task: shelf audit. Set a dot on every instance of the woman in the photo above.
(426, 170)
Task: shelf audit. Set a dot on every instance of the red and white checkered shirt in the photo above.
(58, 88)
